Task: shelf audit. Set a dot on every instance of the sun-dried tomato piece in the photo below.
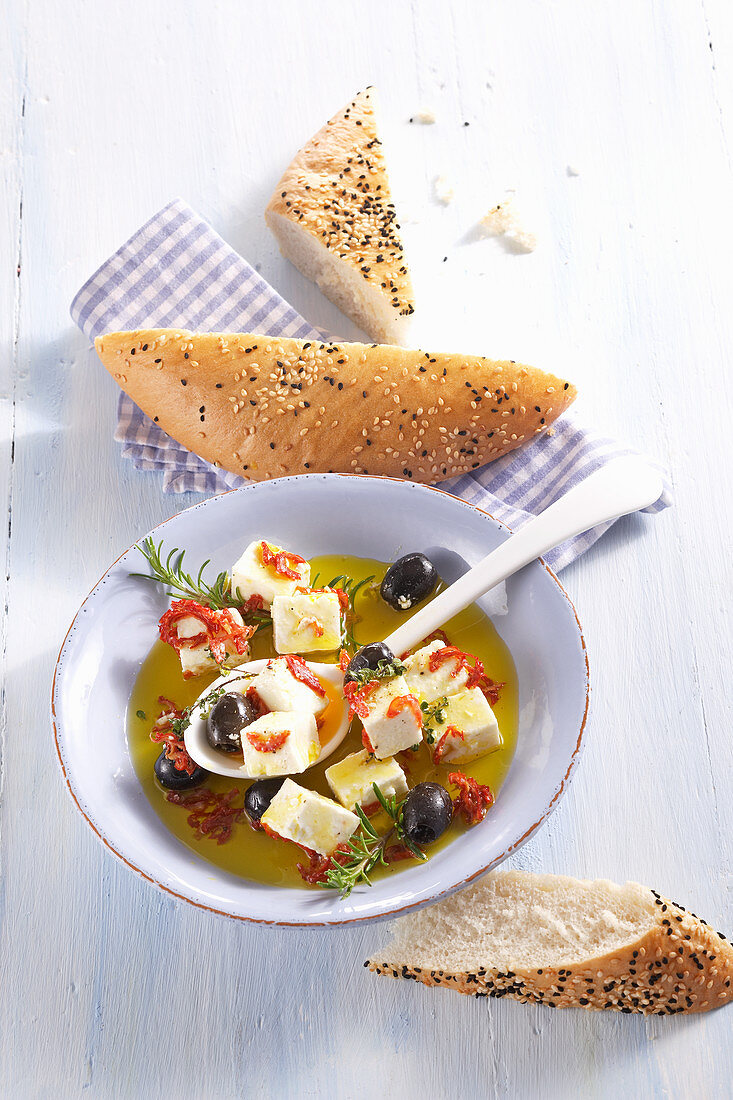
(211, 814)
(257, 701)
(405, 702)
(367, 743)
(315, 871)
(473, 800)
(476, 673)
(452, 731)
(448, 653)
(343, 598)
(281, 561)
(162, 733)
(357, 694)
(253, 603)
(299, 669)
(491, 689)
(267, 742)
(344, 660)
(218, 628)
(397, 852)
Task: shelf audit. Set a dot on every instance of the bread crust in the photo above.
(336, 189)
(264, 407)
(680, 965)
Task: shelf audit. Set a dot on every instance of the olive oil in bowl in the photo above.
(251, 853)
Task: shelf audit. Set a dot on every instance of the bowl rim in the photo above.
(367, 918)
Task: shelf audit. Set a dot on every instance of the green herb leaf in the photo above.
(385, 670)
(180, 584)
(366, 848)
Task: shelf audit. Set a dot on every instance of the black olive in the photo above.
(260, 795)
(368, 656)
(172, 779)
(227, 719)
(427, 812)
(408, 581)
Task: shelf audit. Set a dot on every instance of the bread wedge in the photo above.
(334, 219)
(564, 943)
(265, 407)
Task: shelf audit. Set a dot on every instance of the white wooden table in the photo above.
(110, 988)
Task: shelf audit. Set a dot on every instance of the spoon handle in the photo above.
(624, 485)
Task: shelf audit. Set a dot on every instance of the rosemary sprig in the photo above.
(183, 585)
(366, 848)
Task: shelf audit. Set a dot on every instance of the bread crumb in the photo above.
(571, 171)
(424, 116)
(443, 189)
(503, 220)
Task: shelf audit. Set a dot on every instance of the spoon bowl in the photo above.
(202, 753)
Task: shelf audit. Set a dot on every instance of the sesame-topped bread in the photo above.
(564, 943)
(334, 219)
(263, 407)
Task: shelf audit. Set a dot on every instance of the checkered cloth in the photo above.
(176, 272)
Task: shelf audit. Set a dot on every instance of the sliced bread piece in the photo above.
(334, 219)
(263, 407)
(565, 943)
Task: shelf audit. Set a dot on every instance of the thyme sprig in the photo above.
(183, 585)
(366, 848)
(385, 670)
(434, 714)
(180, 725)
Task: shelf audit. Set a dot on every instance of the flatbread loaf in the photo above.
(564, 943)
(264, 407)
(334, 219)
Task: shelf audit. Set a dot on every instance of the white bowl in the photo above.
(316, 513)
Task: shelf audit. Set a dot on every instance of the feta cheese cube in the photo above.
(470, 713)
(351, 779)
(280, 744)
(386, 732)
(196, 660)
(309, 819)
(427, 685)
(280, 690)
(306, 622)
(253, 578)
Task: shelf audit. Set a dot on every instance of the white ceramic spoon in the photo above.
(623, 485)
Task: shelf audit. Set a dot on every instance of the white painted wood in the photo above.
(112, 989)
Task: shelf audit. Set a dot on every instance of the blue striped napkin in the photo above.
(177, 272)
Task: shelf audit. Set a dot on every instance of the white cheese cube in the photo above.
(280, 690)
(196, 660)
(447, 679)
(309, 819)
(306, 622)
(351, 779)
(280, 744)
(470, 713)
(253, 578)
(389, 733)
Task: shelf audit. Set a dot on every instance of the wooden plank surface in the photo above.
(109, 988)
